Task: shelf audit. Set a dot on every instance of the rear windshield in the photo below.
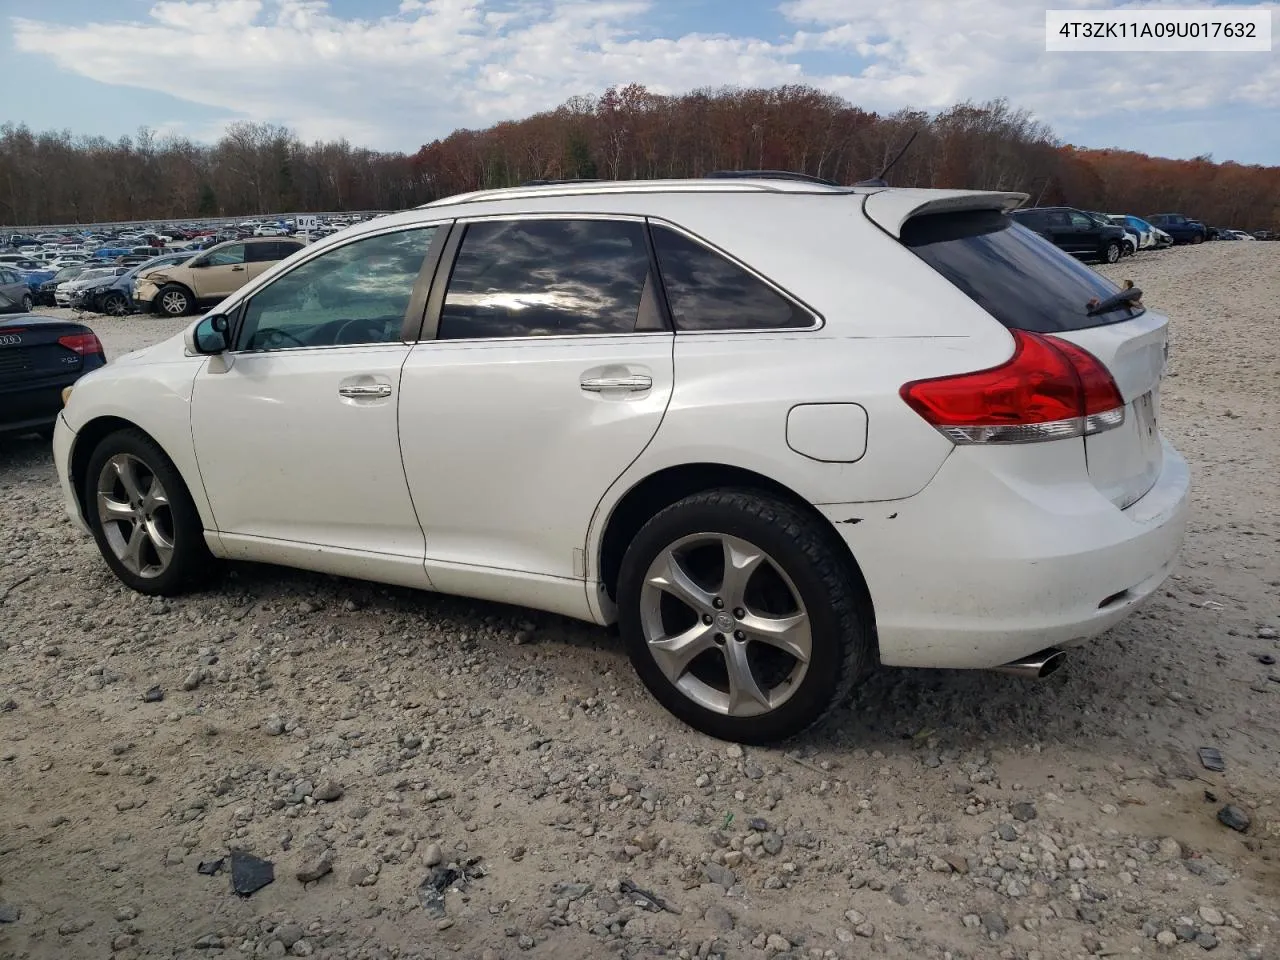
(1017, 276)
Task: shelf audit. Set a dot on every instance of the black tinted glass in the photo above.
(1018, 277)
(708, 292)
(541, 278)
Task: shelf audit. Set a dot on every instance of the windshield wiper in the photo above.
(1129, 295)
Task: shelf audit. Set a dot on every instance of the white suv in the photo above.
(779, 431)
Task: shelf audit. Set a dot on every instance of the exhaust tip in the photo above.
(1037, 666)
(1052, 664)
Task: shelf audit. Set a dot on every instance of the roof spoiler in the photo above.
(890, 209)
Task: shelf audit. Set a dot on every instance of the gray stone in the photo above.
(1207, 941)
(772, 843)
(719, 918)
(866, 930)
(433, 855)
(1212, 916)
(1023, 811)
(329, 791)
(192, 679)
(10, 913)
(313, 870)
(719, 874)
(777, 943)
(995, 924)
(900, 895)
(288, 933)
(1167, 938)
(1233, 817)
(70, 927)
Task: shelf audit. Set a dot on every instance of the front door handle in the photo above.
(363, 391)
(635, 383)
(237, 268)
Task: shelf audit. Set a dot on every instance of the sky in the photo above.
(394, 74)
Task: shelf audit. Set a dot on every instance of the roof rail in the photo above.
(549, 183)
(767, 175)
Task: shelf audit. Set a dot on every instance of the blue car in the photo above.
(114, 295)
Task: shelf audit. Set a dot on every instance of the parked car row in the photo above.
(1109, 236)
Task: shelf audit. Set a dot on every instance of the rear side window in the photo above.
(706, 291)
(546, 278)
(1018, 277)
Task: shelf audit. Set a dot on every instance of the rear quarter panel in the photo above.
(887, 319)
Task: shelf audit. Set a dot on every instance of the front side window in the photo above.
(357, 293)
(546, 278)
(706, 291)
(227, 256)
(1080, 221)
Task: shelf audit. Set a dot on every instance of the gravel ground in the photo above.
(375, 744)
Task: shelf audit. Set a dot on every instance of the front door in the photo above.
(295, 428)
(219, 274)
(549, 373)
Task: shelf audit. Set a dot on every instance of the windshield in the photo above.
(1013, 273)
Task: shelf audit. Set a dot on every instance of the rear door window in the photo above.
(1018, 277)
(546, 278)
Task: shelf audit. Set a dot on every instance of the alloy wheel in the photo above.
(135, 515)
(115, 306)
(725, 624)
(174, 303)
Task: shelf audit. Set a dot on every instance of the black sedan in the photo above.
(40, 356)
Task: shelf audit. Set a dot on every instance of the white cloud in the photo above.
(397, 80)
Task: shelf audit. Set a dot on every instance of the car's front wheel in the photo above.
(1197, 238)
(115, 305)
(142, 516)
(741, 615)
(173, 301)
(1112, 253)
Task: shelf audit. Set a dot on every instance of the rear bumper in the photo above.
(27, 409)
(984, 566)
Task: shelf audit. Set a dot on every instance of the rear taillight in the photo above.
(1048, 390)
(82, 343)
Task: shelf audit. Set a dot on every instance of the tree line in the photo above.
(625, 133)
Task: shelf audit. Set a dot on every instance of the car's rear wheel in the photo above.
(27, 303)
(142, 516)
(115, 305)
(741, 615)
(1129, 248)
(173, 301)
(1112, 253)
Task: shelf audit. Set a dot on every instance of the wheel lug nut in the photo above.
(718, 603)
(739, 635)
(706, 618)
(720, 638)
(739, 613)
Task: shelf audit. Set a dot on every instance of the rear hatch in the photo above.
(30, 352)
(1028, 284)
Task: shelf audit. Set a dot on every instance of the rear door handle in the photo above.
(635, 383)
(363, 391)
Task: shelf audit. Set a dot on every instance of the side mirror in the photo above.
(209, 336)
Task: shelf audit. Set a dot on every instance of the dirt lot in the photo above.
(376, 733)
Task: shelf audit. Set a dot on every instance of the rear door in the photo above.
(1086, 233)
(1027, 285)
(544, 371)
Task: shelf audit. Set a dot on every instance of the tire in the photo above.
(157, 547)
(27, 303)
(802, 579)
(173, 301)
(1112, 253)
(1129, 249)
(1197, 238)
(114, 305)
